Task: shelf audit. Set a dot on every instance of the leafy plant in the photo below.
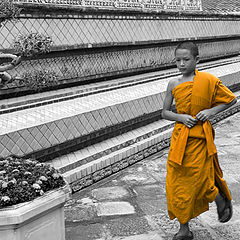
(32, 44)
(38, 79)
(8, 11)
(23, 180)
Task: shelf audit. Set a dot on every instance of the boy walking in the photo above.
(194, 177)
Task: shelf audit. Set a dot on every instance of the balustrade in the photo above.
(193, 5)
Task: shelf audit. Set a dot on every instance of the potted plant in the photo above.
(32, 196)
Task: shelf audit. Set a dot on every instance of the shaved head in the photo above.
(192, 47)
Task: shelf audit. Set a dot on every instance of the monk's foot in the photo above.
(183, 235)
(224, 208)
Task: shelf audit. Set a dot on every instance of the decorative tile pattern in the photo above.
(63, 122)
(87, 31)
(223, 6)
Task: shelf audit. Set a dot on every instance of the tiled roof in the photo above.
(224, 6)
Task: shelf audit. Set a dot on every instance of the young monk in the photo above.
(194, 177)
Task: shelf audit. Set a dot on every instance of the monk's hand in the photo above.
(188, 120)
(204, 115)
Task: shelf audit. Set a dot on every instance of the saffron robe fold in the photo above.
(193, 169)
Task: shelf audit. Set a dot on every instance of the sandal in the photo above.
(187, 237)
(228, 205)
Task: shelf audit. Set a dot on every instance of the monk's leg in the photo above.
(220, 202)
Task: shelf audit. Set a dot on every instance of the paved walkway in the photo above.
(131, 205)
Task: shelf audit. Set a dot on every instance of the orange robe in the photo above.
(192, 168)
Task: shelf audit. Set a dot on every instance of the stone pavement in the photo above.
(131, 205)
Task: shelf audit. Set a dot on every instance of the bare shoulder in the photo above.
(172, 84)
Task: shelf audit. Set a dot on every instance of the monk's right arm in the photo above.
(188, 120)
(170, 115)
(166, 112)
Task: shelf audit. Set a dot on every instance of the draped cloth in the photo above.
(193, 170)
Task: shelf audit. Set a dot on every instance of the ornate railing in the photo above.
(193, 5)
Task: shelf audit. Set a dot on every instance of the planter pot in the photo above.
(40, 219)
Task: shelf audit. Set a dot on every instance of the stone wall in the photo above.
(90, 44)
(91, 29)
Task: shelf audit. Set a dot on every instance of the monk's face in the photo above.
(186, 62)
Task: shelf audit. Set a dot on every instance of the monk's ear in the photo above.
(197, 59)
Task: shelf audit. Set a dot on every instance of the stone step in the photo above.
(83, 156)
(91, 164)
(112, 161)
